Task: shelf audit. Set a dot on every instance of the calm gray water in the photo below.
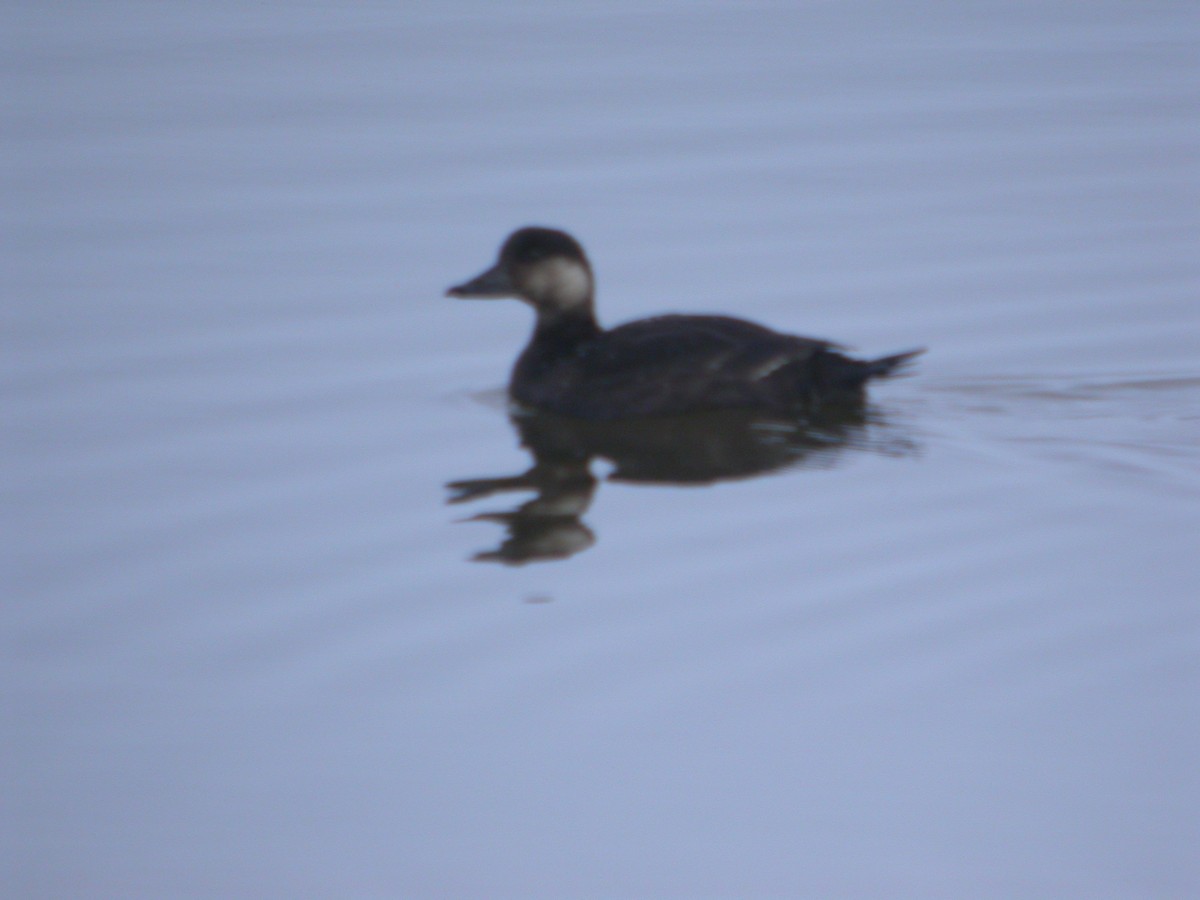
(252, 650)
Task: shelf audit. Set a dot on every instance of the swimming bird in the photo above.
(665, 365)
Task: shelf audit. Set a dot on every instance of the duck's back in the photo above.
(676, 364)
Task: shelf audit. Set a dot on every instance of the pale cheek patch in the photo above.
(561, 283)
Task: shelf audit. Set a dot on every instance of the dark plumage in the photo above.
(660, 366)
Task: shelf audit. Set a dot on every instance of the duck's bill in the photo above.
(492, 283)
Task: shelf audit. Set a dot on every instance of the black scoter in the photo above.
(666, 365)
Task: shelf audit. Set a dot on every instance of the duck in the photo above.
(661, 366)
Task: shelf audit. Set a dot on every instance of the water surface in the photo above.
(947, 650)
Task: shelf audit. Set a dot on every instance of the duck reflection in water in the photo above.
(696, 449)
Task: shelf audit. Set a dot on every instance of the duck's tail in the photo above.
(892, 366)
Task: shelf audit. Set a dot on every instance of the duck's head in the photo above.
(544, 267)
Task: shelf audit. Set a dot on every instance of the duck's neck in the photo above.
(564, 331)
(539, 376)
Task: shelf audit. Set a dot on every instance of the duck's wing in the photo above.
(719, 346)
(682, 362)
